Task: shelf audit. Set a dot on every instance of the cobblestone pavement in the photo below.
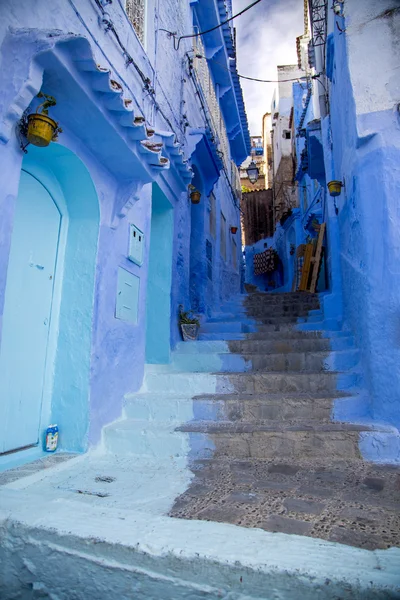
(352, 503)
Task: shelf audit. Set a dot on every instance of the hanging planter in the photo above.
(234, 230)
(41, 129)
(195, 195)
(335, 187)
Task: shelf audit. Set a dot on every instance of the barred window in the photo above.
(135, 9)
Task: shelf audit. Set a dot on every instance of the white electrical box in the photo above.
(136, 245)
(127, 304)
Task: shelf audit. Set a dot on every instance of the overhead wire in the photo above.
(177, 40)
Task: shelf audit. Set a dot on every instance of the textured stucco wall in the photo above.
(28, 53)
(366, 150)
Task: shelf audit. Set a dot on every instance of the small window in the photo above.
(222, 241)
(287, 134)
(135, 9)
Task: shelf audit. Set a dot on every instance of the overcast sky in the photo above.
(265, 37)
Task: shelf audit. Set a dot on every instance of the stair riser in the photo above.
(266, 445)
(150, 443)
(292, 361)
(195, 384)
(254, 411)
(290, 345)
(303, 344)
(273, 333)
(260, 315)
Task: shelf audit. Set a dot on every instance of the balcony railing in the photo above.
(215, 115)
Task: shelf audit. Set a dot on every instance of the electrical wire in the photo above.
(251, 78)
(178, 40)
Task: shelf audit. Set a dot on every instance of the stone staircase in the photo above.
(248, 407)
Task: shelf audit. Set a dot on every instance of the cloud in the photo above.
(265, 38)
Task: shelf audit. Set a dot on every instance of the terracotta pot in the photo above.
(234, 230)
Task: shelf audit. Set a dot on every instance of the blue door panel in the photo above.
(27, 311)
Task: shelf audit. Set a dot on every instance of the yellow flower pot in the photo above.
(41, 129)
(195, 197)
(335, 188)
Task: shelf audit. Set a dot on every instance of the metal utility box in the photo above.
(127, 303)
(136, 245)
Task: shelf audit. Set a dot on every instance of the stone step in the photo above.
(179, 409)
(260, 325)
(292, 361)
(149, 440)
(204, 439)
(241, 440)
(265, 311)
(260, 316)
(269, 346)
(273, 333)
(249, 383)
(307, 408)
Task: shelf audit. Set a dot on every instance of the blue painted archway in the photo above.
(56, 176)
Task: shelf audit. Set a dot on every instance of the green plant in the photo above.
(49, 101)
(186, 317)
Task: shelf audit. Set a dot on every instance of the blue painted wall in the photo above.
(106, 179)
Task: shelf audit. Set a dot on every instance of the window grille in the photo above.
(135, 9)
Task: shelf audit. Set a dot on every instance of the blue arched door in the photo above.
(27, 313)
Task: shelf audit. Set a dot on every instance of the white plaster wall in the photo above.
(373, 38)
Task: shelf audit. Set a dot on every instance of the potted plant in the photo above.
(41, 129)
(335, 187)
(189, 325)
(195, 195)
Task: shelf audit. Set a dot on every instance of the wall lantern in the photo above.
(335, 187)
(252, 172)
(234, 230)
(338, 7)
(41, 129)
(195, 195)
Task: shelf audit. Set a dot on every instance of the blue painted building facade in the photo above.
(99, 240)
(346, 125)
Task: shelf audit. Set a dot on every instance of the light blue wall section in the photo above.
(158, 304)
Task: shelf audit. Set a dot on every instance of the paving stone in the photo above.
(243, 498)
(304, 506)
(284, 469)
(278, 486)
(221, 513)
(374, 483)
(360, 539)
(276, 523)
(360, 515)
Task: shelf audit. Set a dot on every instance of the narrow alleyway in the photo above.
(231, 442)
(279, 462)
